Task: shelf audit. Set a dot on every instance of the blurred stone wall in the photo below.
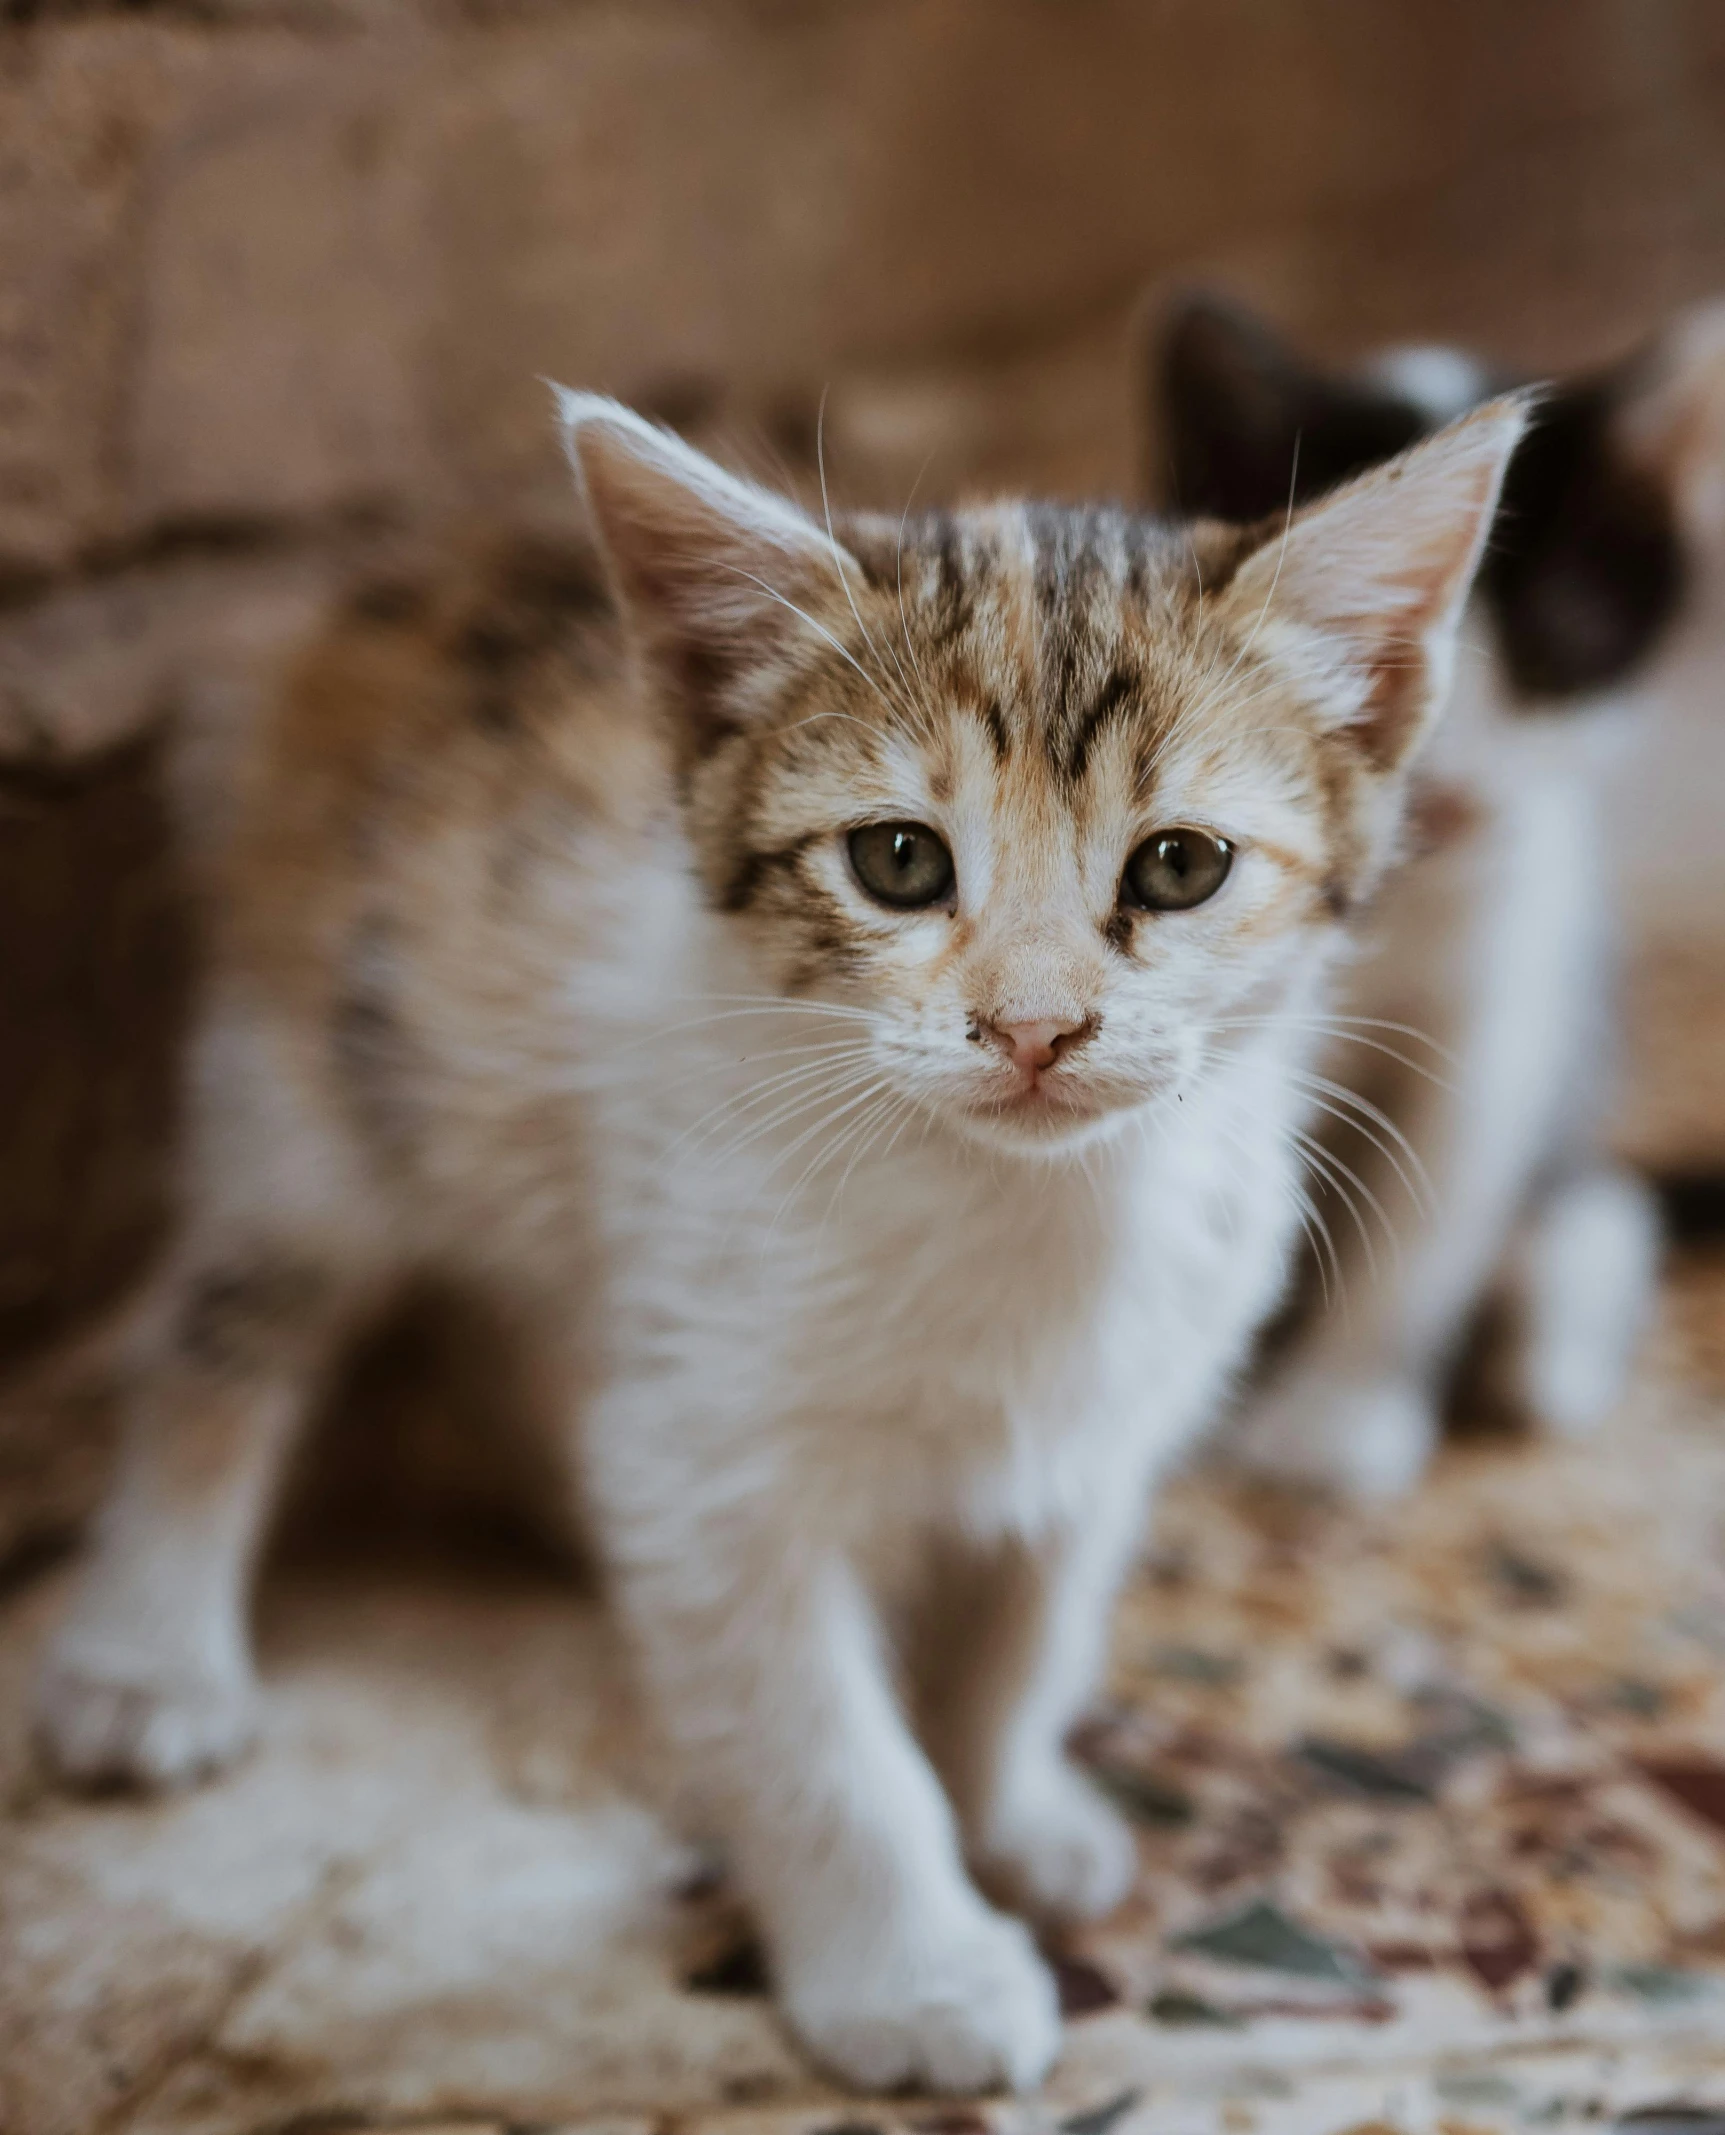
(277, 278)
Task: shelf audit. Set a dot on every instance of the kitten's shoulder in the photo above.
(441, 698)
(498, 636)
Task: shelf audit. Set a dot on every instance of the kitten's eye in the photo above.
(1176, 869)
(902, 864)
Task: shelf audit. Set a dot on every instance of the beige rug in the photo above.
(1432, 1813)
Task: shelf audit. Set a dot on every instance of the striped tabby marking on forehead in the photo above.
(1036, 617)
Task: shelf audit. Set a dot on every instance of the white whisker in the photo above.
(820, 629)
(832, 539)
(1344, 1182)
(838, 1083)
(1351, 1110)
(764, 1091)
(904, 621)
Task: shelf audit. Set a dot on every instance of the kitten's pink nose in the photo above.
(1031, 1047)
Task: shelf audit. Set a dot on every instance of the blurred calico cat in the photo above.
(1474, 1242)
(846, 992)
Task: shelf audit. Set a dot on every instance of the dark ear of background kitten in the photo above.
(1585, 567)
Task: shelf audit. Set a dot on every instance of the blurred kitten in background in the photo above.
(1476, 1243)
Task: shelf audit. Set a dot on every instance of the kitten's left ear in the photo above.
(1361, 596)
(721, 583)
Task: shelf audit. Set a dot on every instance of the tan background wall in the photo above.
(277, 278)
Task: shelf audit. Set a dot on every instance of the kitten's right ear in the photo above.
(1361, 594)
(721, 583)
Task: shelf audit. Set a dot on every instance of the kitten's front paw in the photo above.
(109, 1715)
(1369, 1441)
(1586, 1275)
(961, 2010)
(1057, 1849)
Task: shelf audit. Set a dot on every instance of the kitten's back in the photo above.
(462, 703)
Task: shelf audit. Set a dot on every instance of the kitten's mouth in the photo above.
(1036, 1099)
(1038, 1111)
(1035, 1125)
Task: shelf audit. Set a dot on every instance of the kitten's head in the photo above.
(1062, 800)
(1618, 483)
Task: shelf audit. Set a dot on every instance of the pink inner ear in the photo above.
(1395, 708)
(694, 547)
(1399, 667)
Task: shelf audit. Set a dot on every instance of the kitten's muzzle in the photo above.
(1032, 1047)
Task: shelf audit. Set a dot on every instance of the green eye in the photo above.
(901, 864)
(1176, 869)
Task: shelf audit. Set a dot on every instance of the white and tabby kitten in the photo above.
(847, 998)
(1479, 1239)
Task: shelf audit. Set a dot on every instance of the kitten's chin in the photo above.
(1039, 1127)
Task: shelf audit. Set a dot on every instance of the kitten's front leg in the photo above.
(1579, 1283)
(765, 1662)
(149, 1676)
(1027, 1644)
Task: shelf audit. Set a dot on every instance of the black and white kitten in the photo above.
(1473, 1217)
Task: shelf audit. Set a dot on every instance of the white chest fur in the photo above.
(935, 1332)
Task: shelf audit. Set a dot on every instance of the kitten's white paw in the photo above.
(963, 2009)
(1586, 1272)
(1368, 1441)
(1059, 1850)
(117, 1715)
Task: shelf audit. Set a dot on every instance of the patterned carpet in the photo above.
(1432, 1810)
